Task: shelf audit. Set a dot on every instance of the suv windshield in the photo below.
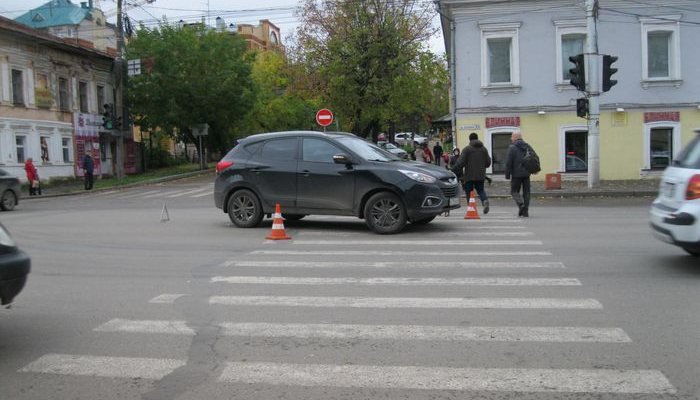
(690, 156)
(367, 151)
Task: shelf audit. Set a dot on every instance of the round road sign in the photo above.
(324, 117)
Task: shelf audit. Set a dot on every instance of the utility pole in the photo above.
(120, 78)
(593, 90)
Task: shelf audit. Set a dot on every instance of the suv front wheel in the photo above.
(385, 213)
(244, 209)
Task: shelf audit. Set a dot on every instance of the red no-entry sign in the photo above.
(324, 117)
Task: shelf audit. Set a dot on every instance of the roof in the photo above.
(54, 13)
(66, 44)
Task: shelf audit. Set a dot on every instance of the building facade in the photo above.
(51, 92)
(510, 71)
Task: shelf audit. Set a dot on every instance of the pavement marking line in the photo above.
(126, 325)
(464, 379)
(278, 280)
(168, 298)
(202, 195)
(432, 234)
(425, 332)
(186, 192)
(138, 194)
(399, 253)
(159, 194)
(409, 302)
(419, 242)
(389, 264)
(108, 367)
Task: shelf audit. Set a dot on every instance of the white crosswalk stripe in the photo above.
(419, 242)
(390, 264)
(409, 302)
(399, 253)
(168, 298)
(109, 367)
(202, 195)
(471, 379)
(382, 332)
(187, 192)
(276, 280)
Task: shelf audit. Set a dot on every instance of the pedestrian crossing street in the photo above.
(159, 191)
(302, 314)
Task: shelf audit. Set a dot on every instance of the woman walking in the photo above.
(32, 177)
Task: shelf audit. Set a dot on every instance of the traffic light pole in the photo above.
(120, 73)
(593, 91)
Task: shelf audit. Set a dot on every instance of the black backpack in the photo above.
(531, 161)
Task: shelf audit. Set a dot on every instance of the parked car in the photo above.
(675, 214)
(14, 267)
(329, 174)
(400, 153)
(403, 138)
(9, 191)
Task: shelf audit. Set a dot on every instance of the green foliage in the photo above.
(197, 76)
(370, 56)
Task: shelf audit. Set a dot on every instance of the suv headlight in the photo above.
(417, 176)
(5, 238)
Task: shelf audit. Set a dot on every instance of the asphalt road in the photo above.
(577, 302)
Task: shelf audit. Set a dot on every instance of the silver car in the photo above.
(393, 150)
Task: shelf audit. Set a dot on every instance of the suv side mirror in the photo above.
(342, 159)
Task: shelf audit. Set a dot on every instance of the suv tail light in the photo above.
(693, 191)
(222, 165)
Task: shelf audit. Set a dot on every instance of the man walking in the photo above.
(472, 164)
(518, 175)
(437, 152)
(88, 168)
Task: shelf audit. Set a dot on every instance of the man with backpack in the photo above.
(521, 162)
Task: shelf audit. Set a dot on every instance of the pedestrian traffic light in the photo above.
(107, 118)
(578, 72)
(582, 107)
(608, 72)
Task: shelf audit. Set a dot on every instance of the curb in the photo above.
(130, 185)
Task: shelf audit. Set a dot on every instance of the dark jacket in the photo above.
(88, 164)
(437, 151)
(472, 162)
(514, 160)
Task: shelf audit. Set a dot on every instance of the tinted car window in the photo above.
(281, 149)
(253, 148)
(690, 156)
(367, 151)
(317, 150)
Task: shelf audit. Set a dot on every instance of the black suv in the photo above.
(329, 174)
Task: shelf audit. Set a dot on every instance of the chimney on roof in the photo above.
(232, 28)
(220, 24)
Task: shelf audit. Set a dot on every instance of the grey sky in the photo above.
(279, 12)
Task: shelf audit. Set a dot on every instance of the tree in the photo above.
(196, 75)
(364, 51)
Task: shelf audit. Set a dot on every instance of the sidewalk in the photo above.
(500, 188)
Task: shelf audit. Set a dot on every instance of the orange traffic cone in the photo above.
(277, 226)
(472, 213)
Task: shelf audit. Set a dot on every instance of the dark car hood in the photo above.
(425, 168)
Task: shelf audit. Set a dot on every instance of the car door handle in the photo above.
(305, 172)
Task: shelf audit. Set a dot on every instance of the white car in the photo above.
(675, 214)
(403, 138)
(398, 152)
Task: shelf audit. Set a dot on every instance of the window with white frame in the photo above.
(662, 140)
(661, 48)
(500, 55)
(17, 87)
(83, 96)
(67, 150)
(100, 98)
(571, 39)
(63, 99)
(20, 146)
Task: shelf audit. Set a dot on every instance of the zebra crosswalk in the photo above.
(277, 306)
(158, 192)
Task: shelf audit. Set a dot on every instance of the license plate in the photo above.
(452, 201)
(668, 189)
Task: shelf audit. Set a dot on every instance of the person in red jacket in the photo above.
(32, 177)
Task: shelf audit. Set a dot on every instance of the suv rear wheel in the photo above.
(244, 209)
(385, 213)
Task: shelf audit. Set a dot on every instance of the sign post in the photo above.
(324, 117)
(201, 130)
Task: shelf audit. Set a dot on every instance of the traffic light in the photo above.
(107, 118)
(582, 107)
(608, 72)
(578, 72)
